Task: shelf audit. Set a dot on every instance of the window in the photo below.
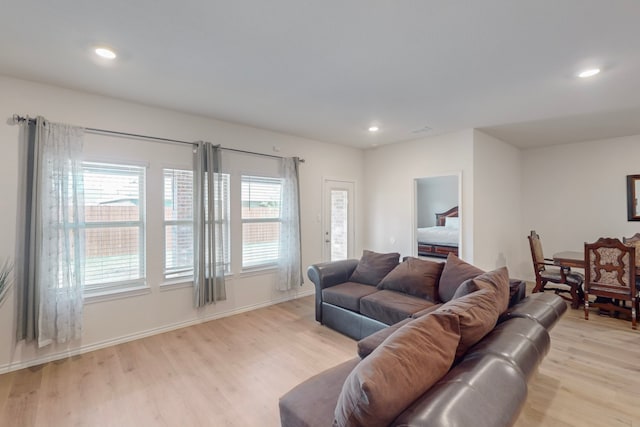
(114, 226)
(224, 221)
(339, 224)
(178, 222)
(261, 219)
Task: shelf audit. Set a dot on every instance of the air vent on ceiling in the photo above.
(422, 130)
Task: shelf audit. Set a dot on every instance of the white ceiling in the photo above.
(327, 70)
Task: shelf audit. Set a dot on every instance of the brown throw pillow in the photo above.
(454, 273)
(415, 277)
(373, 266)
(499, 281)
(399, 371)
(477, 313)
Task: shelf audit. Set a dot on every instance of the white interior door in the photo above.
(338, 220)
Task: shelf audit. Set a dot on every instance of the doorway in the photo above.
(338, 229)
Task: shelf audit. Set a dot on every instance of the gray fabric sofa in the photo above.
(358, 310)
(486, 387)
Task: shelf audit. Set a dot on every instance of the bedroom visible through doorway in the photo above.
(437, 220)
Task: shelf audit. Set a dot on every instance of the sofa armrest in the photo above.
(329, 274)
(517, 291)
(545, 308)
(484, 391)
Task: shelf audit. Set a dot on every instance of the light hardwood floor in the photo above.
(231, 371)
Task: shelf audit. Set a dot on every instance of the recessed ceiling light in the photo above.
(588, 73)
(105, 52)
(374, 129)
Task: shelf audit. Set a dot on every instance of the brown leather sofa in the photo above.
(485, 386)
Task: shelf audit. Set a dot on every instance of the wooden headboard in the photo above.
(440, 217)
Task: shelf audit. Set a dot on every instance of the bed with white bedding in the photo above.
(442, 239)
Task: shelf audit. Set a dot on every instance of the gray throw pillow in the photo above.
(414, 276)
(373, 266)
(467, 287)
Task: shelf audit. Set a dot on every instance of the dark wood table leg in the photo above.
(539, 287)
(576, 298)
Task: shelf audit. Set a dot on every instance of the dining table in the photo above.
(574, 259)
(569, 259)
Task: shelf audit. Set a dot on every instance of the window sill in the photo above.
(257, 271)
(176, 284)
(184, 282)
(114, 294)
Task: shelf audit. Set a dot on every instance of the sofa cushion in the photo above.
(391, 307)
(499, 281)
(417, 277)
(454, 273)
(312, 403)
(477, 313)
(347, 295)
(406, 365)
(373, 266)
(367, 344)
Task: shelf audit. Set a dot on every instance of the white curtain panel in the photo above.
(50, 264)
(60, 276)
(290, 264)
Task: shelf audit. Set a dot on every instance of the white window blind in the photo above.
(178, 222)
(225, 254)
(261, 220)
(114, 226)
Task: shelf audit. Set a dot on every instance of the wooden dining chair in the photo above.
(610, 273)
(545, 270)
(635, 242)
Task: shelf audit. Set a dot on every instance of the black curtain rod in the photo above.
(17, 119)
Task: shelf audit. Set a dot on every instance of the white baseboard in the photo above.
(149, 332)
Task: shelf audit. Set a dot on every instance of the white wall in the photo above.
(389, 175)
(497, 204)
(576, 193)
(121, 319)
(568, 193)
(491, 195)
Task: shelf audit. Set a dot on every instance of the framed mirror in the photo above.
(437, 216)
(633, 191)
